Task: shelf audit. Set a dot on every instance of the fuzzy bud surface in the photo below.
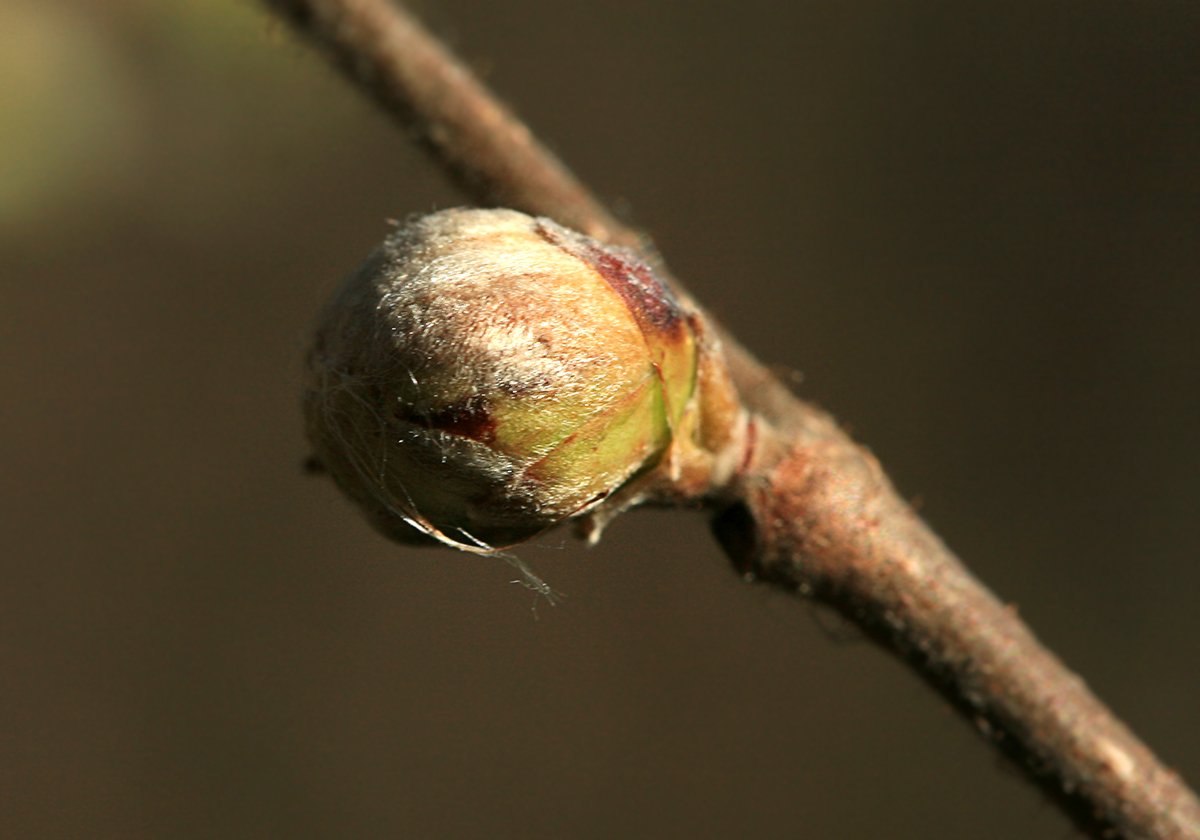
(486, 375)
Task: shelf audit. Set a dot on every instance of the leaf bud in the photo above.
(486, 375)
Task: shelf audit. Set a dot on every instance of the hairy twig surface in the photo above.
(810, 510)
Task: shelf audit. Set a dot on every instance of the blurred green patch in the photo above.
(67, 115)
(177, 109)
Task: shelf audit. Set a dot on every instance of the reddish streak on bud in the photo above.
(470, 420)
(650, 302)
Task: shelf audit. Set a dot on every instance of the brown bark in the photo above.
(818, 516)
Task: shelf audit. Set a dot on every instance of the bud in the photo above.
(486, 375)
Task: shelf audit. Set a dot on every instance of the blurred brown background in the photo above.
(973, 226)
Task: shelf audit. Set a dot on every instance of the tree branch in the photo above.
(811, 511)
(481, 145)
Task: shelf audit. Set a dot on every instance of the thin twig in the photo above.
(812, 511)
